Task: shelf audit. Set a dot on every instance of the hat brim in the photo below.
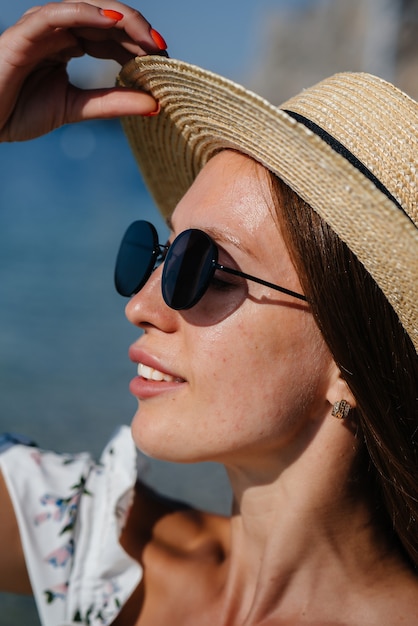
(203, 113)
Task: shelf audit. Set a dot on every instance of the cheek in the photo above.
(271, 371)
(231, 373)
(222, 371)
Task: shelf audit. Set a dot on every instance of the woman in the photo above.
(279, 338)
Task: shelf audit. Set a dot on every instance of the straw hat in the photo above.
(348, 146)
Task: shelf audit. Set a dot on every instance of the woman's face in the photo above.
(245, 372)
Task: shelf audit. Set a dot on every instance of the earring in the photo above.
(341, 409)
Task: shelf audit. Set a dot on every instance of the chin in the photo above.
(157, 441)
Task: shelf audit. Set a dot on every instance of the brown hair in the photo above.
(374, 353)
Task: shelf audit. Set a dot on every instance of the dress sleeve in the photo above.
(70, 511)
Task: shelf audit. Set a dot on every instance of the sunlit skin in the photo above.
(249, 382)
(253, 391)
(255, 382)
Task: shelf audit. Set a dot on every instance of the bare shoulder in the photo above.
(159, 519)
(13, 574)
(395, 600)
(405, 599)
(181, 550)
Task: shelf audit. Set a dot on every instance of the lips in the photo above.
(151, 369)
(150, 373)
(153, 379)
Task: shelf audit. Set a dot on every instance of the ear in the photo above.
(338, 388)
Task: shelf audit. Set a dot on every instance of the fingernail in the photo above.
(157, 110)
(111, 14)
(162, 53)
(158, 39)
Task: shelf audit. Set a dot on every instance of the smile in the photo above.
(149, 373)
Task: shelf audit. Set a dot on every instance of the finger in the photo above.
(119, 36)
(134, 24)
(41, 21)
(107, 103)
(31, 10)
(121, 51)
(110, 50)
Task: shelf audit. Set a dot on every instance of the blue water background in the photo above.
(65, 201)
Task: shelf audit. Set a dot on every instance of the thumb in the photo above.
(89, 104)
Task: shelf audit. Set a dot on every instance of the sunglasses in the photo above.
(190, 263)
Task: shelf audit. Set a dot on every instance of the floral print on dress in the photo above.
(80, 573)
(59, 508)
(106, 613)
(56, 592)
(62, 510)
(61, 556)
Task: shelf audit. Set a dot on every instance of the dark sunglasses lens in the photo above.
(136, 258)
(188, 268)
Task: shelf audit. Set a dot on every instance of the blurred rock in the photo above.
(304, 45)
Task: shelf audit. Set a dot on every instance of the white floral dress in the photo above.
(70, 512)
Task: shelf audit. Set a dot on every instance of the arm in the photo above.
(35, 93)
(13, 574)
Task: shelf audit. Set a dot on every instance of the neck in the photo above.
(301, 535)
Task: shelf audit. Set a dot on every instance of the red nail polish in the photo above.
(112, 15)
(158, 39)
(157, 110)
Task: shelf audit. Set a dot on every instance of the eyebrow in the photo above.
(220, 236)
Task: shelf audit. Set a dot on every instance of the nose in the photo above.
(147, 308)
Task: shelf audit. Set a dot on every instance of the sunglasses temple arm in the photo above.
(289, 292)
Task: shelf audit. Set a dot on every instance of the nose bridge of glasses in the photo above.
(160, 253)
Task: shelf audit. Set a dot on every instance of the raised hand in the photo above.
(35, 93)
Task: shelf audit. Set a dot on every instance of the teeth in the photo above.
(151, 374)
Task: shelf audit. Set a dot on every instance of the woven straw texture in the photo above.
(202, 113)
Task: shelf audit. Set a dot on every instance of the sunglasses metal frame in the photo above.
(159, 254)
(261, 281)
